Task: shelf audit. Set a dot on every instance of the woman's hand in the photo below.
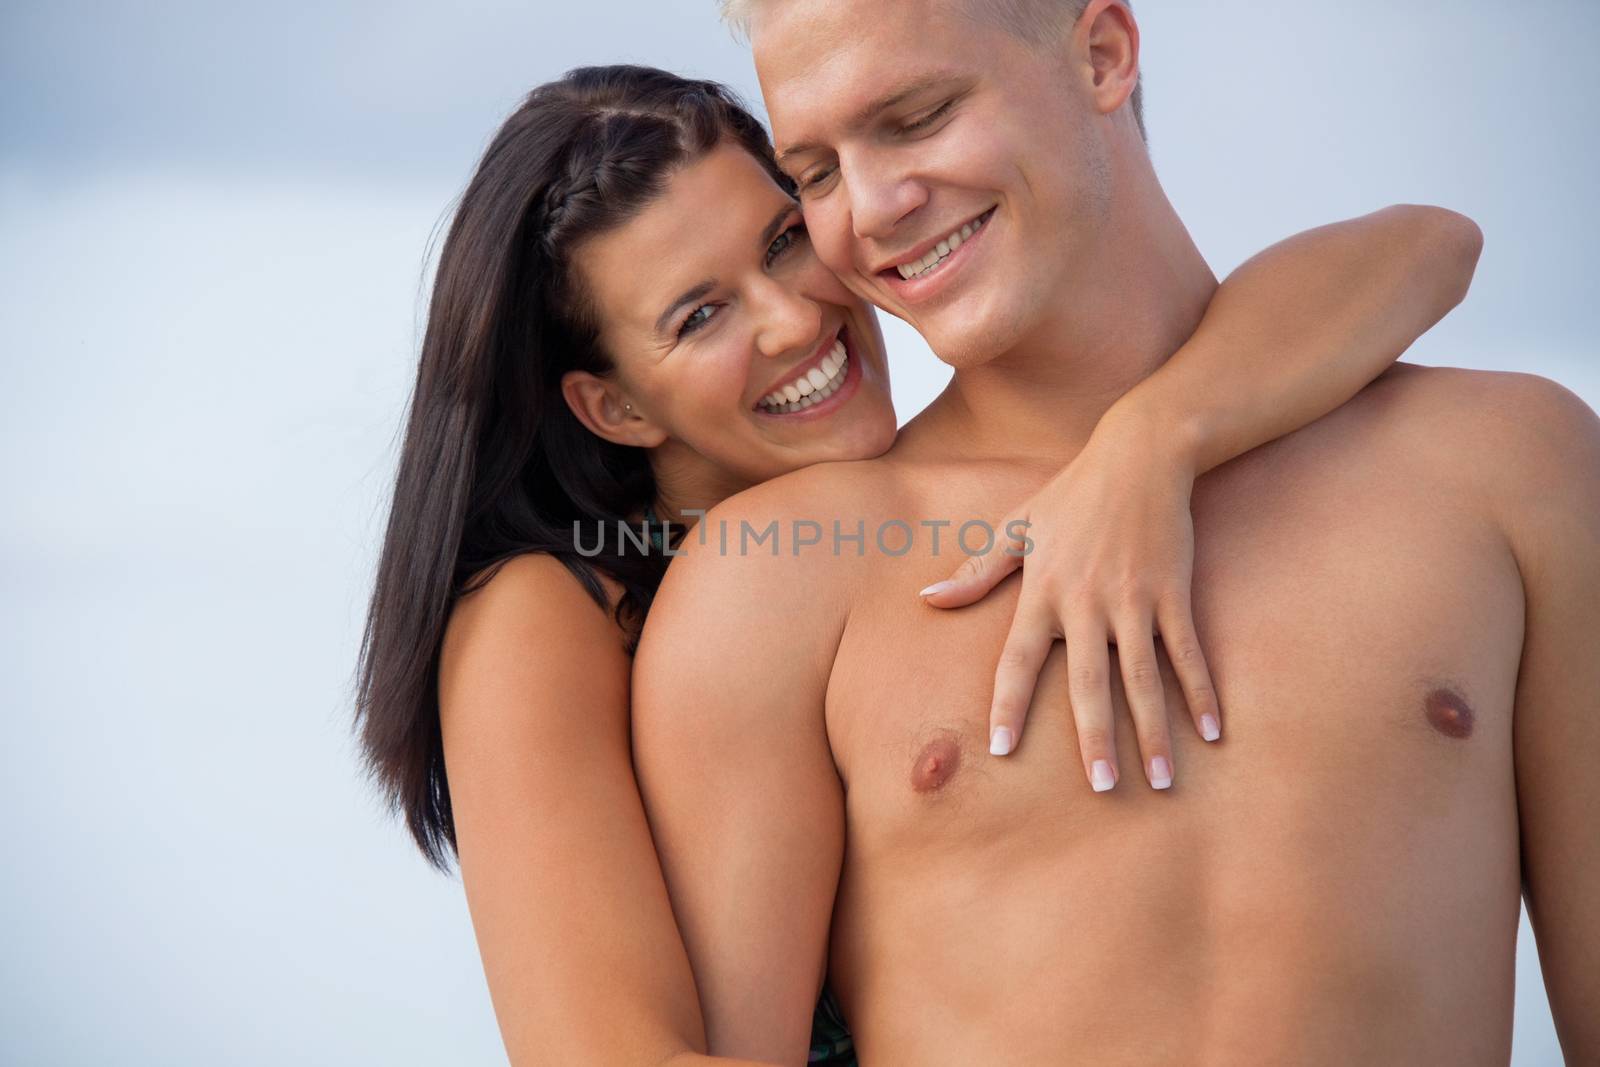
(1111, 559)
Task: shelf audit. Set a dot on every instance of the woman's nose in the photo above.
(789, 320)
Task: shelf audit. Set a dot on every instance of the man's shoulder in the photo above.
(822, 490)
(768, 527)
(1460, 390)
(765, 553)
(1511, 421)
(1444, 420)
(1520, 444)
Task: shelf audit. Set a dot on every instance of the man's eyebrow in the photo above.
(699, 292)
(898, 95)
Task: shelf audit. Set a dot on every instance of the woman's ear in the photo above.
(1108, 36)
(599, 405)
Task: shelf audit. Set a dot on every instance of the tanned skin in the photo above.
(1398, 605)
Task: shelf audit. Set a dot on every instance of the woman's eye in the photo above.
(697, 318)
(786, 241)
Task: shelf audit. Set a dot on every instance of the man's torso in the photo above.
(1336, 882)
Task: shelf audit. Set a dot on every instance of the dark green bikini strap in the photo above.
(656, 527)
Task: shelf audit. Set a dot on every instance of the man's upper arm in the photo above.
(732, 755)
(1556, 535)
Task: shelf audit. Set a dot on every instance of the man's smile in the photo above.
(921, 273)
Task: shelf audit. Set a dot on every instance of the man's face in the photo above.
(949, 172)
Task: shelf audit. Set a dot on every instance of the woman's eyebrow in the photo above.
(776, 224)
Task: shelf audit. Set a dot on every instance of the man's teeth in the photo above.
(812, 387)
(930, 262)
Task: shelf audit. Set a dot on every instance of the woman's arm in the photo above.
(1292, 334)
(1302, 327)
(583, 958)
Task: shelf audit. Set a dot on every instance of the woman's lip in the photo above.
(815, 361)
(847, 388)
(916, 289)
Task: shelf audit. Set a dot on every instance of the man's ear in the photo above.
(599, 405)
(1108, 36)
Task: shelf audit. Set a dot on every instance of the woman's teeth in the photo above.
(812, 387)
(937, 255)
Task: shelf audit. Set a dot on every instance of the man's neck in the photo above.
(1041, 399)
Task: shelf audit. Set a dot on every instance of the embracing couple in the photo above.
(776, 803)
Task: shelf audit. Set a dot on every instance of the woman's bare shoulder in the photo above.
(531, 634)
(535, 592)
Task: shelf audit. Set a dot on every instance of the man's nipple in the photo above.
(1449, 714)
(936, 764)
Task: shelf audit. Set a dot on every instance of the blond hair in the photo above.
(1034, 21)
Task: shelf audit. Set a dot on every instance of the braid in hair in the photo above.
(494, 464)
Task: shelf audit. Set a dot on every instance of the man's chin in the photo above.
(964, 341)
(962, 350)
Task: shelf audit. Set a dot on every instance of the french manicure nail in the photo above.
(1101, 776)
(1000, 741)
(1209, 728)
(938, 587)
(1161, 773)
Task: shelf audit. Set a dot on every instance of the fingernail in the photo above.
(1000, 741)
(1161, 773)
(1209, 729)
(938, 587)
(1101, 776)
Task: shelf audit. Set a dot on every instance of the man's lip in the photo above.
(815, 360)
(920, 250)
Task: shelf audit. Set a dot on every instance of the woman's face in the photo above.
(731, 341)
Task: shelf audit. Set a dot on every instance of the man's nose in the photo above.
(787, 319)
(881, 195)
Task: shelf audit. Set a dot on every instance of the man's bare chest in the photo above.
(1351, 628)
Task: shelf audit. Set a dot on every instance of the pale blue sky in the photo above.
(215, 222)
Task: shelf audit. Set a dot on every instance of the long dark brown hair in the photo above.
(494, 464)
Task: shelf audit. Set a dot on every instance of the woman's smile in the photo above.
(817, 388)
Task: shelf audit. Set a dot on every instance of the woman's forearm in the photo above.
(1300, 328)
